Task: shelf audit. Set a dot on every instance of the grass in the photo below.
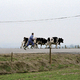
(5, 59)
(37, 67)
(24, 63)
(60, 74)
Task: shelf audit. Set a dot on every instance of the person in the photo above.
(30, 41)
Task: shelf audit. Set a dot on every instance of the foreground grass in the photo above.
(63, 67)
(60, 74)
(25, 63)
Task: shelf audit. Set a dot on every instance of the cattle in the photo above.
(24, 42)
(41, 41)
(37, 41)
(54, 40)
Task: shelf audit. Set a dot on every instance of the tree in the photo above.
(65, 46)
(78, 46)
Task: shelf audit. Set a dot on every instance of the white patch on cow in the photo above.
(57, 40)
(34, 39)
(52, 40)
(22, 43)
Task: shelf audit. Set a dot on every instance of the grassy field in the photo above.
(37, 67)
(60, 74)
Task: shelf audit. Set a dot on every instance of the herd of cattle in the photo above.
(42, 41)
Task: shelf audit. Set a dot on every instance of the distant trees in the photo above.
(77, 46)
(65, 46)
(69, 47)
(72, 46)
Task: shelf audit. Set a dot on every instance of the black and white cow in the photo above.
(54, 40)
(24, 42)
(41, 41)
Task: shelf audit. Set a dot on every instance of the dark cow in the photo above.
(60, 40)
(54, 40)
(41, 41)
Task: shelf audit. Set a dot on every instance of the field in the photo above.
(60, 74)
(37, 67)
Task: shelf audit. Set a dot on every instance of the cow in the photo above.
(24, 42)
(54, 40)
(40, 41)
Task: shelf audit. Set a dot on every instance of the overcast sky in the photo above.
(12, 33)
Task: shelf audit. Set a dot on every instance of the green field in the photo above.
(37, 67)
(60, 74)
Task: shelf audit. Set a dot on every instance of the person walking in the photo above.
(30, 41)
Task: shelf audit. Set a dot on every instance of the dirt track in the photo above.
(17, 50)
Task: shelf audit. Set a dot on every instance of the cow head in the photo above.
(60, 40)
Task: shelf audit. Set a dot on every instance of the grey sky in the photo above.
(21, 10)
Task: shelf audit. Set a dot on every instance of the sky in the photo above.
(12, 33)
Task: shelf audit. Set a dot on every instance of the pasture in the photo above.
(59, 74)
(24, 63)
(36, 66)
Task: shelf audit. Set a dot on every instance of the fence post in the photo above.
(50, 56)
(11, 56)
